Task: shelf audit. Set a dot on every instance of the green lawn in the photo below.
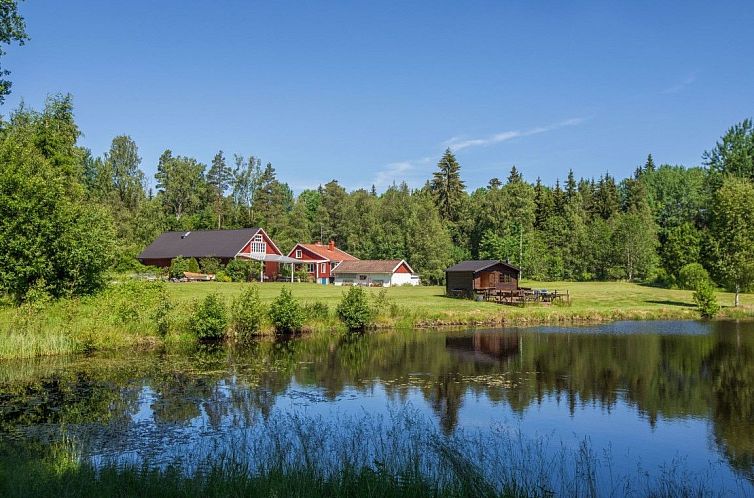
(595, 300)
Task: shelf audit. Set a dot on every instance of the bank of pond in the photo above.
(140, 314)
(627, 408)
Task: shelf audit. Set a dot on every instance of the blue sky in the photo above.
(373, 92)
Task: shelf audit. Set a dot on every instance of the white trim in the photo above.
(403, 261)
(279, 252)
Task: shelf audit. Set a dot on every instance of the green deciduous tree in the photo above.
(49, 237)
(732, 230)
(12, 29)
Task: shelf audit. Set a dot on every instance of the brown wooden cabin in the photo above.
(468, 278)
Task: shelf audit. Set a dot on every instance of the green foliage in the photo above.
(210, 320)
(247, 312)
(704, 297)
(179, 265)
(316, 311)
(210, 265)
(221, 276)
(301, 274)
(47, 232)
(286, 313)
(732, 230)
(12, 29)
(242, 270)
(691, 276)
(354, 309)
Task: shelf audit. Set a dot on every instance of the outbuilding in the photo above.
(471, 277)
(375, 273)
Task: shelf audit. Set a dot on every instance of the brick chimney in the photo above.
(331, 245)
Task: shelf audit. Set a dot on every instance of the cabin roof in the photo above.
(199, 244)
(478, 265)
(371, 266)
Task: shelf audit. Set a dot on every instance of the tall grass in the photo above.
(296, 455)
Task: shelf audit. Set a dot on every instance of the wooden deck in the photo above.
(522, 296)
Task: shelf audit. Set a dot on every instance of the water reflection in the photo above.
(657, 382)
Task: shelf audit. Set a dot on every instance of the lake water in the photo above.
(639, 400)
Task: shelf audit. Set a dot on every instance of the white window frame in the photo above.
(310, 267)
(323, 268)
(299, 253)
(258, 245)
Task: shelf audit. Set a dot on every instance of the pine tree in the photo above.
(447, 187)
(219, 178)
(558, 197)
(514, 176)
(649, 165)
(571, 187)
(545, 205)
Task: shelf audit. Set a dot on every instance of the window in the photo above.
(323, 268)
(310, 267)
(362, 277)
(298, 253)
(258, 245)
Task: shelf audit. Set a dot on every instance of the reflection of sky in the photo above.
(227, 414)
(631, 440)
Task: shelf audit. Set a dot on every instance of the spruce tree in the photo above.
(219, 177)
(448, 188)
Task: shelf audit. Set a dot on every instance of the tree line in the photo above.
(68, 215)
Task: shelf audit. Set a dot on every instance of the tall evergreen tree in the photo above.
(219, 178)
(448, 188)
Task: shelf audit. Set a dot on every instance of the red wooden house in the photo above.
(246, 243)
(320, 259)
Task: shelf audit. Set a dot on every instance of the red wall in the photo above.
(307, 255)
(402, 269)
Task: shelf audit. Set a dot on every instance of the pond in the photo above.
(626, 401)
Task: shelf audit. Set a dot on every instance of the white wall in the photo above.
(386, 278)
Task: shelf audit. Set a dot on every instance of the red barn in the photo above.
(320, 259)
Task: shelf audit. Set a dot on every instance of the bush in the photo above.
(247, 312)
(240, 270)
(221, 276)
(285, 313)
(179, 265)
(354, 310)
(692, 276)
(316, 311)
(210, 265)
(301, 274)
(210, 320)
(704, 297)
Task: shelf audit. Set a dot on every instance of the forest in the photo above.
(69, 217)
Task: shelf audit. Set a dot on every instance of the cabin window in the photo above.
(310, 267)
(298, 253)
(362, 277)
(506, 278)
(323, 268)
(258, 245)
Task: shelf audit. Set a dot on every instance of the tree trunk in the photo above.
(738, 296)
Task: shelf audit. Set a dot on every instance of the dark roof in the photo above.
(370, 266)
(199, 244)
(475, 266)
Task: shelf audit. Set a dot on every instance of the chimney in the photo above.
(331, 245)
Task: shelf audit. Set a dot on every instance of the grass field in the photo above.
(126, 314)
(589, 301)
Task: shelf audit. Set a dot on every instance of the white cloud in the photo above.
(398, 172)
(459, 143)
(680, 86)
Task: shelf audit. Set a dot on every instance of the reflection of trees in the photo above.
(730, 366)
(661, 375)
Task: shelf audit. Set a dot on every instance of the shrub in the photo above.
(240, 270)
(221, 276)
(162, 316)
(210, 265)
(285, 313)
(354, 310)
(180, 264)
(210, 320)
(692, 276)
(302, 275)
(247, 312)
(704, 297)
(316, 311)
